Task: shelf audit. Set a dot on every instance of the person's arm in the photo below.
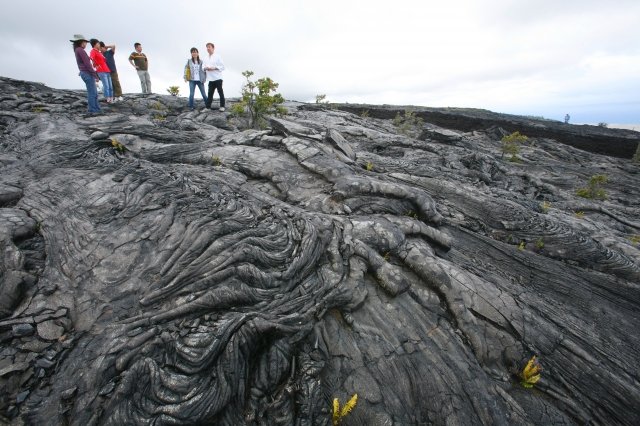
(132, 62)
(112, 47)
(87, 63)
(219, 64)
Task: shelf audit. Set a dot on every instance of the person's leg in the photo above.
(105, 84)
(192, 89)
(117, 89)
(142, 80)
(147, 77)
(110, 86)
(210, 90)
(220, 92)
(201, 87)
(92, 92)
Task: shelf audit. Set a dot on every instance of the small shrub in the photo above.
(412, 214)
(369, 166)
(340, 413)
(259, 98)
(320, 99)
(408, 124)
(174, 90)
(636, 156)
(158, 117)
(216, 161)
(117, 145)
(157, 105)
(364, 113)
(635, 239)
(579, 214)
(594, 189)
(522, 245)
(37, 109)
(530, 374)
(539, 243)
(545, 206)
(511, 145)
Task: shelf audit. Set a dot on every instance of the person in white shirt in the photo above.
(213, 66)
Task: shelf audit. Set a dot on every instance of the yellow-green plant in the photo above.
(216, 160)
(117, 145)
(157, 105)
(635, 239)
(158, 117)
(259, 98)
(594, 189)
(511, 145)
(636, 156)
(408, 123)
(364, 113)
(340, 413)
(540, 243)
(530, 374)
(545, 206)
(37, 109)
(174, 90)
(579, 214)
(412, 214)
(369, 166)
(320, 99)
(521, 246)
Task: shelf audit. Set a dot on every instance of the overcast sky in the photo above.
(529, 57)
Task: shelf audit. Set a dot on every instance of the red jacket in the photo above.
(98, 61)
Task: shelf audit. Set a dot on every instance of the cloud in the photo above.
(538, 58)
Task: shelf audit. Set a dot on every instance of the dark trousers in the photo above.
(213, 85)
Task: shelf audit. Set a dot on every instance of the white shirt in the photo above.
(213, 61)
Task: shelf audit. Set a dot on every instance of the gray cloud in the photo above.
(538, 58)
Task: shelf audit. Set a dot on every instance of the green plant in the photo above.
(157, 105)
(579, 214)
(369, 166)
(340, 413)
(635, 239)
(594, 189)
(522, 245)
(117, 145)
(158, 117)
(364, 113)
(37, 109)
(259, 98)
(408, 124)
(174, 90)
(545, 206)
(511, 145)
(412, 214)
(636, 156)
(530, 373)
(540, 243)
(216, 160)
(320, 99)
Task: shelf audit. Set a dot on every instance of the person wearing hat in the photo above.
(87, 73)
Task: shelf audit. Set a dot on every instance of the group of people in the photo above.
(198, 71)
(99, 65)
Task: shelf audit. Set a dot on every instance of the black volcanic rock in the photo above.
(163, 266)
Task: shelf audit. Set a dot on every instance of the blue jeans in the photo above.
(92, 91)
(107, 85)
(192, 88)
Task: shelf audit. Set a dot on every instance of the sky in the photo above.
(528, 57)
